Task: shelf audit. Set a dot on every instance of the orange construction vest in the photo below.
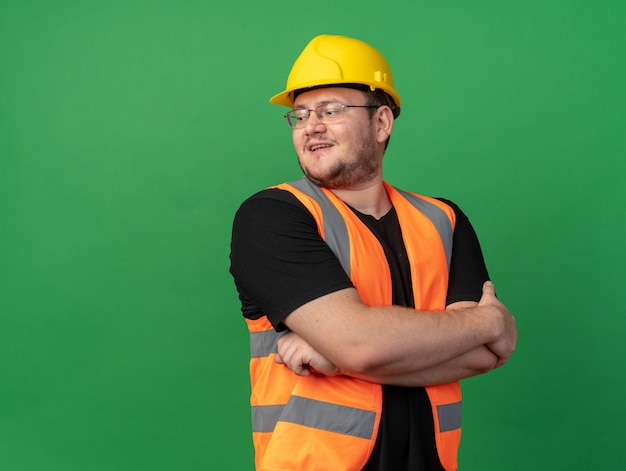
(317, 422)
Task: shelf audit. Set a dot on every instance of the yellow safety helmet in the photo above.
(336, 60)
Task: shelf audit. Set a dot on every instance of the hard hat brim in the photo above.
(287, 97)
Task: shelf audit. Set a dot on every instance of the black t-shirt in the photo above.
(279, 262)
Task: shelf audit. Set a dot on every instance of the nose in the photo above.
(314, 124)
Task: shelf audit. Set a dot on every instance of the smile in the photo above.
(315, 147)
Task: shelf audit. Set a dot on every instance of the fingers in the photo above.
(297, 355)
(290, 353)
(294, 363)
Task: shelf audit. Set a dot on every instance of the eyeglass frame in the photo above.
(292, 121)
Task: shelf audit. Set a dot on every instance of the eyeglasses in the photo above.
(327, 113)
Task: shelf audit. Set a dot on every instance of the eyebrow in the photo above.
(321, 103)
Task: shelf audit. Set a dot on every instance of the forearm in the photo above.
(475, 362)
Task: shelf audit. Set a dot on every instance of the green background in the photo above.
(130, 131)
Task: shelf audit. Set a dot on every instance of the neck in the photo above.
(371, 199)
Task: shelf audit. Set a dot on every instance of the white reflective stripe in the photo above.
(335, 229)
(263, 344)
(449, 416)
(264, 418)
(315, 414)
(438, 218)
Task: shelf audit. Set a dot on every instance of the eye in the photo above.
(332, 110)
(300, 115)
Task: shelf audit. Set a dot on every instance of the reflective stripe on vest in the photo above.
(437, 217)
(335, 230)
(449, 416)
(333, 418)
(315, 414)
(263, 344)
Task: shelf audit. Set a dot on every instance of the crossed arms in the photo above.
(338, 334)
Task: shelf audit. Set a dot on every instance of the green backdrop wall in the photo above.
(130, 131)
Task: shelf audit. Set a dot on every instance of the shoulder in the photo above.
(269, 197)
(272, 219)
(270, 206)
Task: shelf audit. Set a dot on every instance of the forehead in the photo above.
(326, 95)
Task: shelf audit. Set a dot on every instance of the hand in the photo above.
(301, 358)
(506, 339)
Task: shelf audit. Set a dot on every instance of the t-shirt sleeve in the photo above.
(468, 271)
(278, 259)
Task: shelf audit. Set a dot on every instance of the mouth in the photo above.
(317, 146)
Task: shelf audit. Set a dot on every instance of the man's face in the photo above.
(344, 154)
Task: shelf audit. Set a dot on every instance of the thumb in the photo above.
(489, 289)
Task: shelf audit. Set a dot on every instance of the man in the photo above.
(365, 304)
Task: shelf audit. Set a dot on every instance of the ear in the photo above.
(384, 123)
